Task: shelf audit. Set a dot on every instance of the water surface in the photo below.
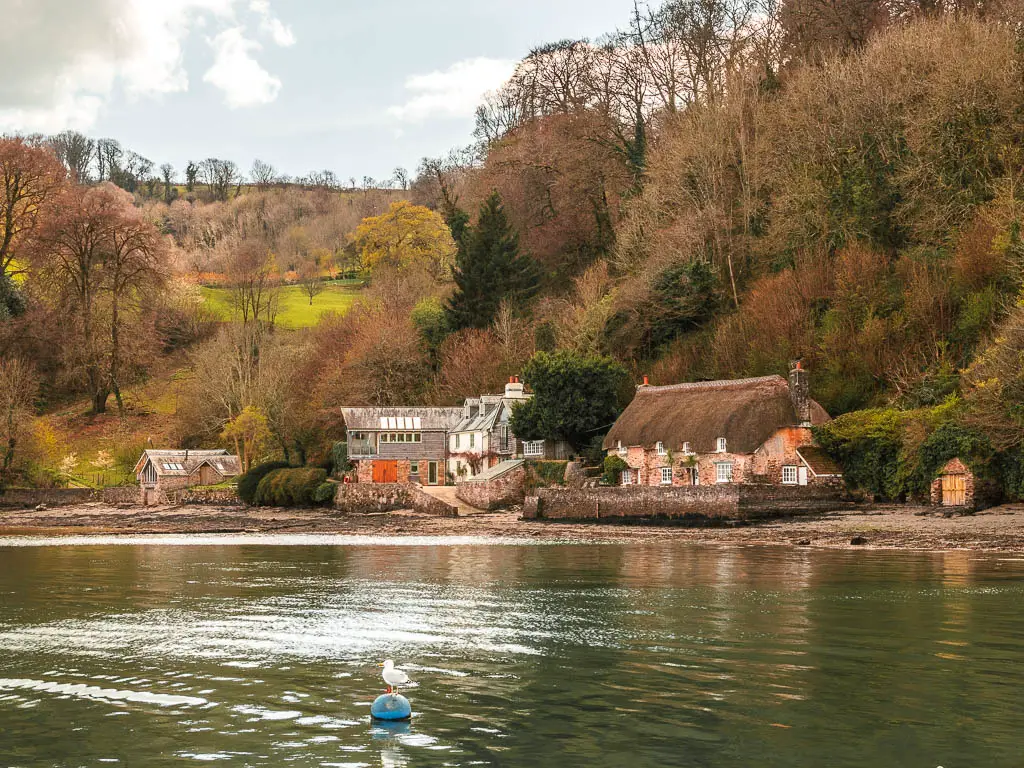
(248, 654)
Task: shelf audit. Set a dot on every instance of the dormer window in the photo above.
(621, 449)
(661, 449)
(687, 450)
(721, 445)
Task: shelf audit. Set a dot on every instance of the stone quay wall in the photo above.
(498, 493)
(18, 498)
(370, 498)
(716, 502)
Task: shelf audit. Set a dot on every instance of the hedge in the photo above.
(290, 487)
(250, 481)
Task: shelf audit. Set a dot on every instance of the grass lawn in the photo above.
(294, 310)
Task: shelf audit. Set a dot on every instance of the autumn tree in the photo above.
(406, 236)
(490, 270)
(75, 152)
(18, 388)
(310, 278)
(32, 178)
(254, 284)
(249, 433)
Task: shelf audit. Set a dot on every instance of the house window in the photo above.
(721, 446)
(686, 449)
(417, 438)
(790, 476)
(666, 475)
(661, 449)
(621, 449)
(414, 468)
(723, 472)
(458, 441)
(534, 448)
(173, 467)
(627, 477)
(472, 440)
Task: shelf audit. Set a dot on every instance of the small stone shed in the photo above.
(954, 487)
(160, 472)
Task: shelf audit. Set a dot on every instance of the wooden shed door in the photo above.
(385, 471)
(954, 490)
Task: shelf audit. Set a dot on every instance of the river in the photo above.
(263, 652)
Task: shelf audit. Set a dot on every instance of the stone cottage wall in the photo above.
(503, 491)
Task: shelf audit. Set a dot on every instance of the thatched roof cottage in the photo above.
(717, 432)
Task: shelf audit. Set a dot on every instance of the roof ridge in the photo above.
(720, 384)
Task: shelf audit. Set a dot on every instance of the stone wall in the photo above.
(69, 497)
(497, 493)
(716, 502)
(206, 498)
(370, 498)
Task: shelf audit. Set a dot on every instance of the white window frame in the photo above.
(458, 442)
(621, 449)
(724, 472)
(661, 449)
(666, 475)
(790, 475)
(686, 449)
(414, 468)
(533, 448)
(721, 445)
(627, 477)
(472, 439)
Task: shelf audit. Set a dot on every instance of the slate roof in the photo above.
(819, 462)
(184, 463)
(427, 419)
(744, 411)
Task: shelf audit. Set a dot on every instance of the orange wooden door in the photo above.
(954, 490)
(385, 471)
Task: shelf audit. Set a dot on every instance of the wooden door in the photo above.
(954, 490)
(385, 471)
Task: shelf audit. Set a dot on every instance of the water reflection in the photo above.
(258, 655)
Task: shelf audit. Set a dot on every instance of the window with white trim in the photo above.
(472, 439)
(533, 448)
(661, 449)
(621, 449)
(790, 475)
(414, 468)
(458, 441)
(720, 446)
(627, 477)
(686, 449)
(666, 475)
(723, 472)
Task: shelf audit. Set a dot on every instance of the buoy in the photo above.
(391, 706)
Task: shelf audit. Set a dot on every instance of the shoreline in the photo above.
(1000, 529)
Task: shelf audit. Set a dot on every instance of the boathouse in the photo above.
(954, 486)
(745, 431)
(400, 445)
(161, 472)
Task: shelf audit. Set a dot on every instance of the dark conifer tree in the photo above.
(489, 269)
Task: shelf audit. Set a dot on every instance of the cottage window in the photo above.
(458, 441)
(721, 446)
(417, 438)
(472, 440)
(661, 449)
(627, 477)
(533, 448)
(666, 475)
(686, 449)
(723, 472)
(414, 468)
(790, 475)
(622, 451)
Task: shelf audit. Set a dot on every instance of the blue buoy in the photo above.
(391, 706)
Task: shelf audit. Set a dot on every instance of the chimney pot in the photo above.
(647, 381)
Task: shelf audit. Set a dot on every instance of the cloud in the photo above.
(454, 92)
(271, 25)
(244, 82)
(67, 59)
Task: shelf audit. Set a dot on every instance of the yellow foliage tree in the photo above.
(249, 432)
(406, 236)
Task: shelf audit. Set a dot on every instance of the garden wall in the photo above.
(716, 502)
(68, 497)
(368, 498)
(503, 491)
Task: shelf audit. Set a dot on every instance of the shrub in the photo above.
(250, 481)
(290, 487)
(339, 459)
(542, 474)
(324, 494)
(613, 469)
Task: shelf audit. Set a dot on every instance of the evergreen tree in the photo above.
(489, 269)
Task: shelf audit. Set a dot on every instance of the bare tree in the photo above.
(18, 388)
(75, 151)
(219, 176)
(401, 178)
(255, 287)
(167, 171)
(263, 175)
(309, 276)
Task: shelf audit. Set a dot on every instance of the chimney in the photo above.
(647, 382)
(514, 390)
(800, 393)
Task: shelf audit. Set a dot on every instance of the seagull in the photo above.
(393, 677)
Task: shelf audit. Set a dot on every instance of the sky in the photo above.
(358, 87)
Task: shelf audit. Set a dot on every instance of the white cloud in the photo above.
(73, 57)
(271, 25)
(244, 82)
(454, 92)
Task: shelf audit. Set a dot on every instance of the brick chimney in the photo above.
(800, 393)
(514, 390)
(647, 382)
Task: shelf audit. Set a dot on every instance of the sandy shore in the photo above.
(998, 530)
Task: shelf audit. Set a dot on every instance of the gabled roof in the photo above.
(427, 419)
(485, 420)
(744, 411)
(184, 463)
(819, 462)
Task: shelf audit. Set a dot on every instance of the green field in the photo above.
(294, 310)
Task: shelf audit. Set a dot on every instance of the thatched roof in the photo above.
(401, 419)
(184, 463)
(744, 411)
